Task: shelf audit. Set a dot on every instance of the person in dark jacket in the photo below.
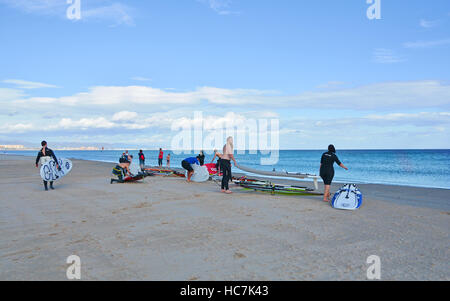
(327, 169)
(45, 155)
(141, 160)
(201, 158)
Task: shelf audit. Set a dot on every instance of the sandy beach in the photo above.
(167, 229)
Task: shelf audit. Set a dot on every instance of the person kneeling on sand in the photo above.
(121, 171)
(186, 164)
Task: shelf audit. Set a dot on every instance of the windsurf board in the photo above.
(49, 172)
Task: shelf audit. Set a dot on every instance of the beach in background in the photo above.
(167, 229)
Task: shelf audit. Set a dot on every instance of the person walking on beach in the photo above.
(225, 162)
(141, 160)
(44, 156)
(186, 164)
(160, 157)
(327, 169)
(168, 160)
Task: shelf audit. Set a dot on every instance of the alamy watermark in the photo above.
(73, 272)
(251, 136)
(74, 10)
(374, 10)
(374, 269)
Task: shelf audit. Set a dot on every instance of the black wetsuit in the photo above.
(48, 153)
(201, 159)
(225, 167)
(326, 167)
(119, 172)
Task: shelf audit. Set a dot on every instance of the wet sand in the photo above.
(167, 229)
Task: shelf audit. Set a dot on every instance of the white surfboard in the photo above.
(349, 197)
(201, 173)
(49, 172)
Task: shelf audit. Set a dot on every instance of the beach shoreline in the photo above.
(167, 229)
(268, 178)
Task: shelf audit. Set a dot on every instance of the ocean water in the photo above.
(421, 168)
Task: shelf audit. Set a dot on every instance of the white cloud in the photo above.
(23, 84)
(222, 7)
(113, 95)
(51, 7)
(428, 24)
(427, 44)
(379, 96)
(386, 56)
(16, 128)
(119, 13)
(124, 116)
(7, 95)
(92, 10)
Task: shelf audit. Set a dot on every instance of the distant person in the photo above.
(186, 164)
(160, 157)
(125, 157)
(168, 160)
(225, 164)
(201, 158)
(45, 155)
(217, 154)
(327, 169)
(141, 159)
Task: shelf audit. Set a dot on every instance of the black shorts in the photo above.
(186, 165)
(327, 177)
(159, 161)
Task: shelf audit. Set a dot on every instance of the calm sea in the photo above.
(422, 168)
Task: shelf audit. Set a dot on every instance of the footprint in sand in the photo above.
(238, 255)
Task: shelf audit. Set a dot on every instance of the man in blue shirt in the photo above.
(186, 164)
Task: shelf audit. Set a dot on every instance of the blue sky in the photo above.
(128, 70)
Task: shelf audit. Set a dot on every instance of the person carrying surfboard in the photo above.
(327, 169)
(186, 164)
(45, 155)
(225, 164)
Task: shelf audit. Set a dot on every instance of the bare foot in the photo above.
(223, 190)
(228, 191)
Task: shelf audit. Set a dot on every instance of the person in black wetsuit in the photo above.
(45, 155)
(327, 169)
(201, 158)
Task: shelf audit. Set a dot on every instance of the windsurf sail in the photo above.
(281, 174)
(267, 186)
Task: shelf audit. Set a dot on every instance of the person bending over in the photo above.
(121, 171)
(327, 169)
(186, 164)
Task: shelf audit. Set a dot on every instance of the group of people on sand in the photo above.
(223, 165)
(123, 168)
